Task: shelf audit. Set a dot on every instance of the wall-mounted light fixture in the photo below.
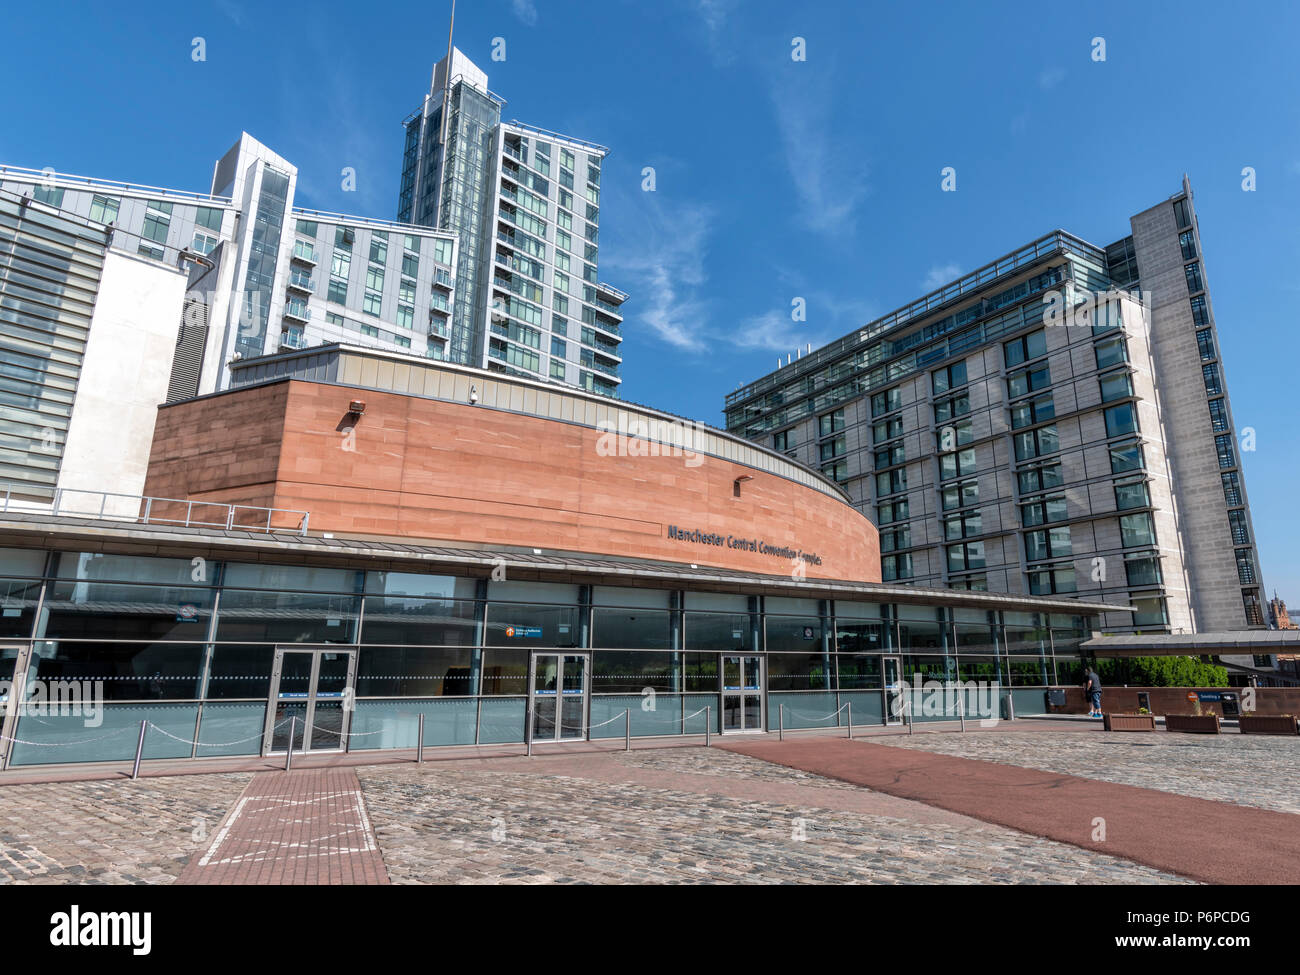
(473, 394)
(735, 487)
(357, 407)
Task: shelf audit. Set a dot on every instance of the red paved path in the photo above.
(306, 827)
(1214, 842)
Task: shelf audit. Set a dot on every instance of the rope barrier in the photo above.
(224, 744)
(59, 744)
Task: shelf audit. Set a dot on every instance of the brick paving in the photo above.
(691, 816)
(116, 832)
(1215, 842)
(305, 827)
(1243, 769)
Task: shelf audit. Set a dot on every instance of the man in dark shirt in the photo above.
(1092, 691)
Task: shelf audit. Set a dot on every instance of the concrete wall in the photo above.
(123, 379)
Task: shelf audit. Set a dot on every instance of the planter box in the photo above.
(1129, 722)
(1267, 724)
(1202, 724)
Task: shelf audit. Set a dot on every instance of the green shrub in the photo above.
(1161, 672)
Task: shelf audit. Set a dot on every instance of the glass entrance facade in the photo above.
(216, 655)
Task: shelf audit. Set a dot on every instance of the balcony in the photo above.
(511, 151)
(302, 283)
(304, 254)
(293, 338)
(298, 311)
(442, 279)
(608, 289)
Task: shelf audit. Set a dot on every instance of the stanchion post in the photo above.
(907, 715)
(780, 722)
(708, 723)
(961, 711)
(288, 751)
(627, 729)
(139, 750)
(419, 743)
(849, 705)
(1011, 705)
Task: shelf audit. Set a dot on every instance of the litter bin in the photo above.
(1055, 699)
(1144, 701)
(1228, 701)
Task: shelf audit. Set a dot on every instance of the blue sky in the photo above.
(775, 179)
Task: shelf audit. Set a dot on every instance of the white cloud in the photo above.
(775, 331)
(525, 10)
(939, 275)
(663, 268)
(828, 181)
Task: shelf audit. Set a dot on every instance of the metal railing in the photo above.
(45, 177)
(147, 510)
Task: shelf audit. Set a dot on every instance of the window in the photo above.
(560, 281)
(1240, 530)
(402, 341)
(560, 304)
(333, 319)
(894, 567)
(965, 525)
(203, 243)
(53, 195)
(1193, 274)
(783, 441)
(1026, 347)
(1111, 352)
(965, 555)
(1041, 477)
(1218, 417)
(1187, 242)
(1057, 579)
(559, 348)
(886, 456)
(1121, 420)
(405, 316)
(1035, 443)
(559, 325)
(974, 583)
(1144, 570)
(157, 218)
(557, 369)
(829, 449)
(1136, 530)
(1148, 610)
(1126, 457)
(960, 495)
(891, 482)
(1200, 312)
(1231, 488)
(1029, 381)
(886, 402)
(949, 377)
(887, 429)
(1246, 567)
(563, 240)
(957, 464)
(103, 209)
(370, 330)
(1250, 602)
(838, 471)
(892, 511)
(1048, 543)
(1223, 447)
(830, 423)
(305, 249)
(1213, 384)
(1116, 386)
(1132, 494)
(340, 268)
(955, 406)
(1032, 411)
(1042, 512)
(954, 435)
(1205, 343)
(891, 541)
(1182, 215)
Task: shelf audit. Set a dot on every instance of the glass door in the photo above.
(557, 696)
(742, 693)
(311, 692)
(12, 683)
(894, 689)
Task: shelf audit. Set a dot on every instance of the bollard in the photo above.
(907, 715)
(419, 745)
(1011, 707)
(627, 730)
(708, 724)
(780, 722)
(849, 705)
(961, 712)
(139, 750)
(288, 752)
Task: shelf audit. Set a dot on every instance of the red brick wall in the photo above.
(449, 472)
(1173, 700)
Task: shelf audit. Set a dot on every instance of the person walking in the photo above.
(1092, 691)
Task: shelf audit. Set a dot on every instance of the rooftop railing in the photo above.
(48, 178)
(146, 510)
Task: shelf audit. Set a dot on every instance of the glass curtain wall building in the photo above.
(1054, 422)
(229, 656)
(525, 206)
